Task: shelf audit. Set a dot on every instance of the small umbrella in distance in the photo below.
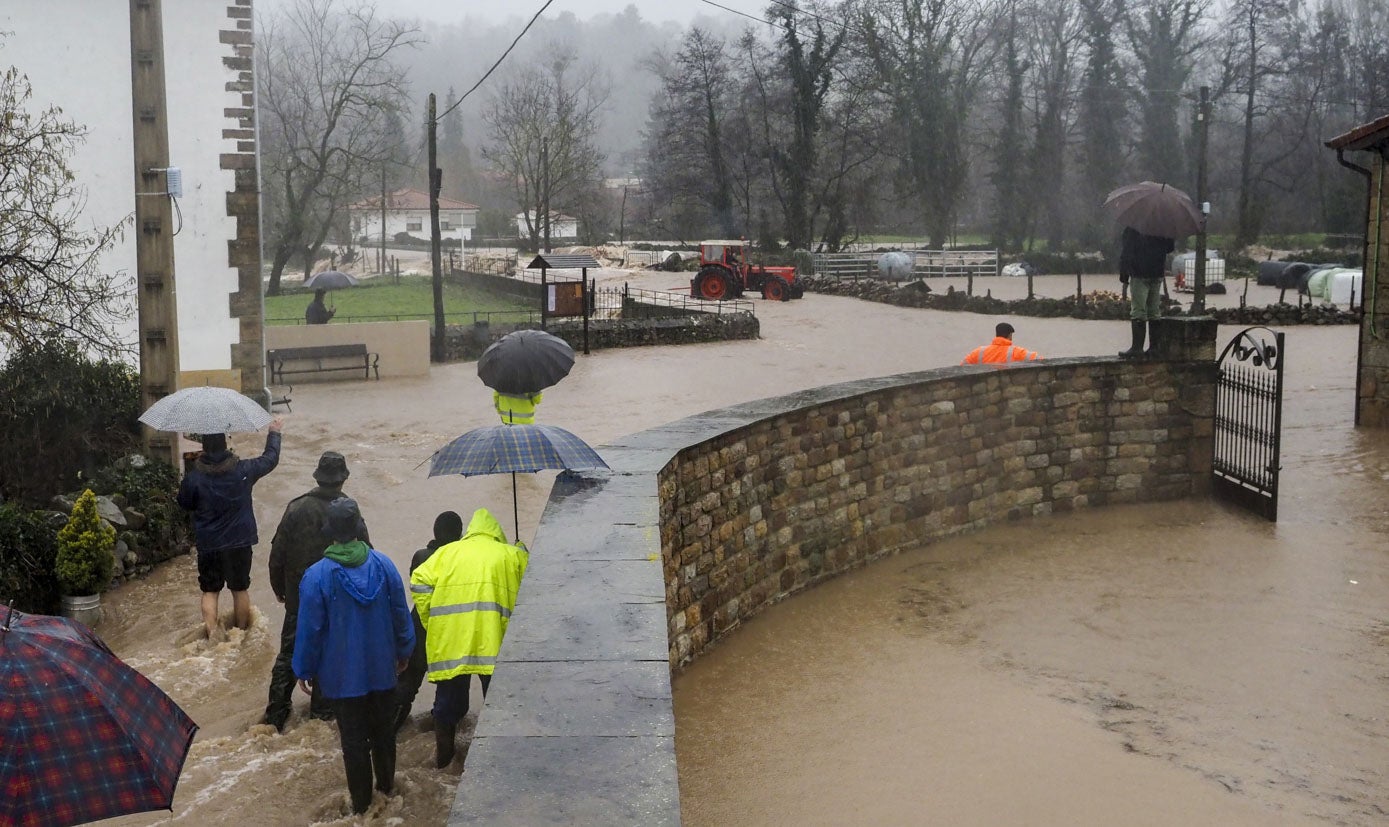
(1154, 209)
(204, 409)
(330, 280)
(501, 449)
(525, 361)
(86, 737)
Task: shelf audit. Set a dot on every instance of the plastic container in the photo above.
(1185, 268)
(1345, 287)
(1269, 271)
(1316, 283)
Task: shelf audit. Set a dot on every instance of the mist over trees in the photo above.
(1010, 119)
(1006, 121)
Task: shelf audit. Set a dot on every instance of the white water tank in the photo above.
(895, 266)
(1344, 286)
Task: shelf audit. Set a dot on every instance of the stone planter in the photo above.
(84, 608)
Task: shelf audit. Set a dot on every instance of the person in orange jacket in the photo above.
(1001, 350)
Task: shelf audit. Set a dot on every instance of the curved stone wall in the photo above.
(708, 520)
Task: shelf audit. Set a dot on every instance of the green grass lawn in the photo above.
(383, 299)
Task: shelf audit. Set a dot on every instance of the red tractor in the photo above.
(724, 273)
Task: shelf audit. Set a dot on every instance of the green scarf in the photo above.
(351, 554)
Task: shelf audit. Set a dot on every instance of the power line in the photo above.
(534, 17)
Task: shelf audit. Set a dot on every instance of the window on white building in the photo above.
(413, 226)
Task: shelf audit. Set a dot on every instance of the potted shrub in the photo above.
(84, 563)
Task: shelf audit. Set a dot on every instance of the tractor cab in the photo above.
(725, 273)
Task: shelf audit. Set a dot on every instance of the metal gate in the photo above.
(1249, 421)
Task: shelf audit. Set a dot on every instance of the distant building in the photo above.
(407, 211)
(621, 183)
(561, 226)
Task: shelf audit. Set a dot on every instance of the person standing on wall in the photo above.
(217, 489)
(465, 594)
(298, 543)
(1142, 259)
(353, 637)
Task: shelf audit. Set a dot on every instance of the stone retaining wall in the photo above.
(706, 521)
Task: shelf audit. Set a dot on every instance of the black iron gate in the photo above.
(1249, 421)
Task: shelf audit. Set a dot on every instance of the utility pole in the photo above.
(622, 218)
(436, 183)
(545, 185)
(381, 258)
(1203, 120)
(154, 241)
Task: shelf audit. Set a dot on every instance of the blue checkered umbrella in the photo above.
(501, 449)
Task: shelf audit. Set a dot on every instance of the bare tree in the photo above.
(51, 283)
(927, 53)
(1165, 36)
(1102, 114)
(687, 159)
(556, 106)
(329, 87)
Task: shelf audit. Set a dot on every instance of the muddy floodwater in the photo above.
(1162, 664)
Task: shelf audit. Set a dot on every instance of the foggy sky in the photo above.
(450, 11)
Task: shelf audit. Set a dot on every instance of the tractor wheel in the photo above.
(797, 290)
(776, 289)
(711, 283)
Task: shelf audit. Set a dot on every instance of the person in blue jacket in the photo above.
(217, 489)
(354, 636)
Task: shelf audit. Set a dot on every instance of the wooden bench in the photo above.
(293, 361)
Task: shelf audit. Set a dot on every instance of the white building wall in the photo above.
(369, 224)
(76, 54)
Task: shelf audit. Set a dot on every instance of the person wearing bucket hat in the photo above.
(299, 543)
(353, 638)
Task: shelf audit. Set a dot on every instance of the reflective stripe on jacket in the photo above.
(516, 410)
(465, 593)
(999, 351)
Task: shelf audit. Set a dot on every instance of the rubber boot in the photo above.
(1135, 351)
(1152, 351)
(444, 744)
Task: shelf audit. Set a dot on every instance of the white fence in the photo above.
(925, 264)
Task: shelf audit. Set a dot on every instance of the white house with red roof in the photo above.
(407, 211)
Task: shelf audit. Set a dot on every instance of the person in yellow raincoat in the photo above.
(465, 593)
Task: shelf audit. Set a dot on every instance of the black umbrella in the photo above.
(1155, 209)
(526, 361)
(330, 280)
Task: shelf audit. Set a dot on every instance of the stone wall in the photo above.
(706, 521)
(763, 511)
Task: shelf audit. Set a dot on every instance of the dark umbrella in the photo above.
(86, 737)
(1155, 209)
(501, 449)
(330, 280)
(525, 361)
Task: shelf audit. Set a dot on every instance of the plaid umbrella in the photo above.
(86, 737)
(499, 449)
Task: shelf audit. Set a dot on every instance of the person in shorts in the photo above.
(217, 489)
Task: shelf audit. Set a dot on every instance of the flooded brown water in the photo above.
(984, 681)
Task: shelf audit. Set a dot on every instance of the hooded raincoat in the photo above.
(354, 626)
(465, 593)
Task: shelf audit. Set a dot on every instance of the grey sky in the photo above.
(656, 11)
